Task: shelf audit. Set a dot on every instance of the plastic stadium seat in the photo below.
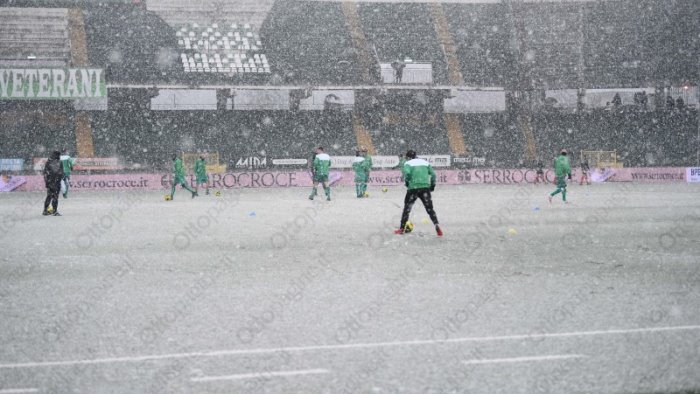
(234, 47)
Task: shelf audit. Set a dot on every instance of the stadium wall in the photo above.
(282, 179)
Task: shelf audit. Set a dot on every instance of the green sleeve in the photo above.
(433, 177)
(406, 174)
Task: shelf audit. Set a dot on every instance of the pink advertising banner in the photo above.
(272, 179)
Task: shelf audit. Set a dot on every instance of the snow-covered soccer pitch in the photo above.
(266, 291)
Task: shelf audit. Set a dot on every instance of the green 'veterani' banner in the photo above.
(52, 83)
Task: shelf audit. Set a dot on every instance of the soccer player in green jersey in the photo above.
(67, 163)
(368, 168)
(562, 169)
(200, 174)
(359, 165)
(321, 167)
(420, 180)
(179, 177)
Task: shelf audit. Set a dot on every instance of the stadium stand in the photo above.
(634, 43)
(31, 36)
(149, 138)
(404, 31)
(482, 38)
(494, 138)
(306, 51)
(639, 44)
(231, 49)
(132, 44)
(641, 139)
(394, 139)
(185, 12)
(553, 43)
(33, 129)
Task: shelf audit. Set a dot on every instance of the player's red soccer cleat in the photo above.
(438, 230)
(399, 231)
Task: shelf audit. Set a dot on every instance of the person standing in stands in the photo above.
(200, 174)
(398, 67)
(420, 180)
(321, 167)
(562, 169)
(585, 169)
(670, 103)
(617, 100)
(53, 175)
(680, 104)
(179, 178)
(67, 163)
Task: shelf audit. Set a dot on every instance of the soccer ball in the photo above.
(49, 209)
(167, 197)
(218, 193)
(408, 227)
(365, 195)
(385, 189)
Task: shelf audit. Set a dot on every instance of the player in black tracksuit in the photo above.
(53, 174)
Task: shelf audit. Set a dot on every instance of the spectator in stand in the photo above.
(670, 104)
(680, 104)
(617, 100)
(644, 100)
(398, 67)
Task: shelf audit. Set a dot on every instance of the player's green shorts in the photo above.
(361, 178)
(202, 179)
(179, 180)
(561, 182)
(321, 178)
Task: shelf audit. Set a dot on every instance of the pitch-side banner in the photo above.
(86, 164)
(273, 179)
(377, 161)
(9, 183)
(52, 83)
(692, 174)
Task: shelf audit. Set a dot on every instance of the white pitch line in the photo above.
(255, 375)
(522, 359)
(234, 352)
(18, 391)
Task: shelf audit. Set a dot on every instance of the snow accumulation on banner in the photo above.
(273, 179)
